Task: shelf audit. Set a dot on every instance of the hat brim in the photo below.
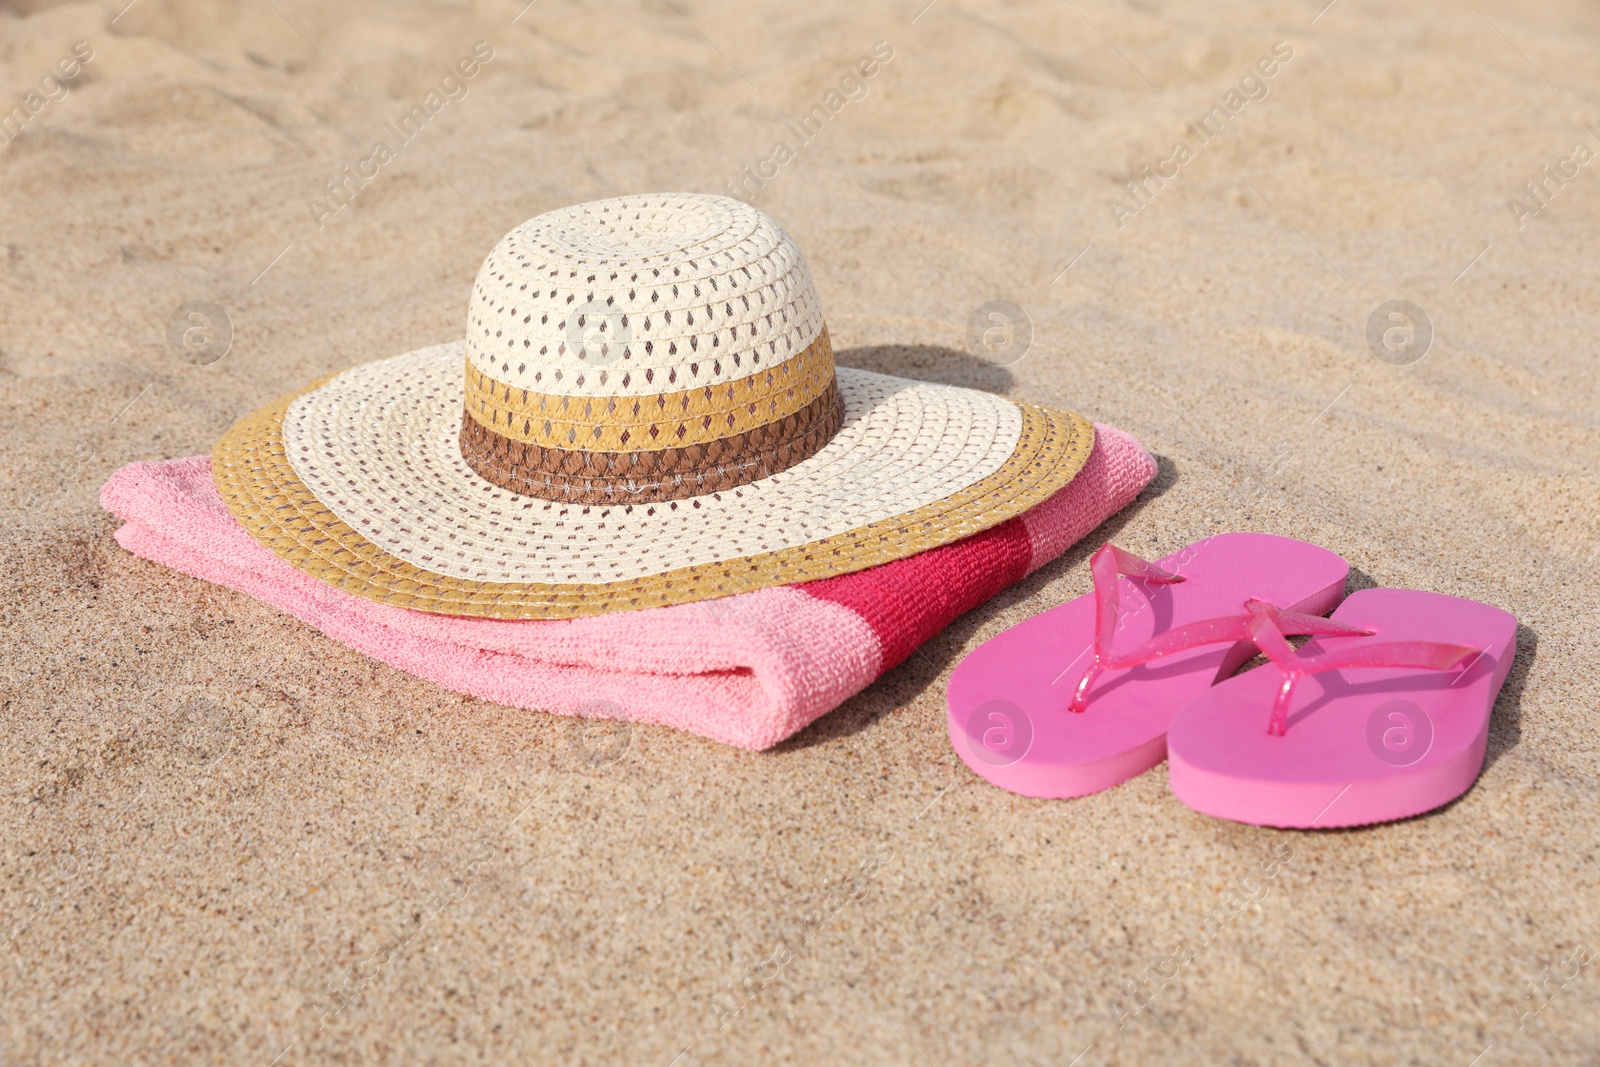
(358, 480)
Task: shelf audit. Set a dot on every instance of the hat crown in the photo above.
(668, 284)
(634, 231)
(645, 348)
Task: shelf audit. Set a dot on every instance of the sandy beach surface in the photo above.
(226, 839)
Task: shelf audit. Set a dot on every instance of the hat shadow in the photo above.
(897, 688)
(928, 363)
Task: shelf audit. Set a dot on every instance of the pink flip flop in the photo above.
(1073, 700)
(1355, 729)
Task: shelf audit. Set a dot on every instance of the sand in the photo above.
(227, 839)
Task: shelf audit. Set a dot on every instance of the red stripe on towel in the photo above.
(907, 601)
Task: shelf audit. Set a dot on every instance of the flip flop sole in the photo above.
(1007, 700)
(1362, 746)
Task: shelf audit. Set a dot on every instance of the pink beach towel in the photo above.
(747, 670)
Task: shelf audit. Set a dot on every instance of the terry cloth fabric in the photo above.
(747, 670)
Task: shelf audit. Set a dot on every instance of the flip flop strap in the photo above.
(1268, 632)
(1235, 628)
(1110, 561)
(1105, 565)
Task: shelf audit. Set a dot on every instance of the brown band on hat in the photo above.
(585, 477)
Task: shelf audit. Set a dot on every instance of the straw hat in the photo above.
(645, 411)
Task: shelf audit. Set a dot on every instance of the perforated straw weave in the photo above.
(645, 412)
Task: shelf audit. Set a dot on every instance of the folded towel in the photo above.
(747, 670)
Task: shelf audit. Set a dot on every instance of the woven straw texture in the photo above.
(359, 481)
(661, 292)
